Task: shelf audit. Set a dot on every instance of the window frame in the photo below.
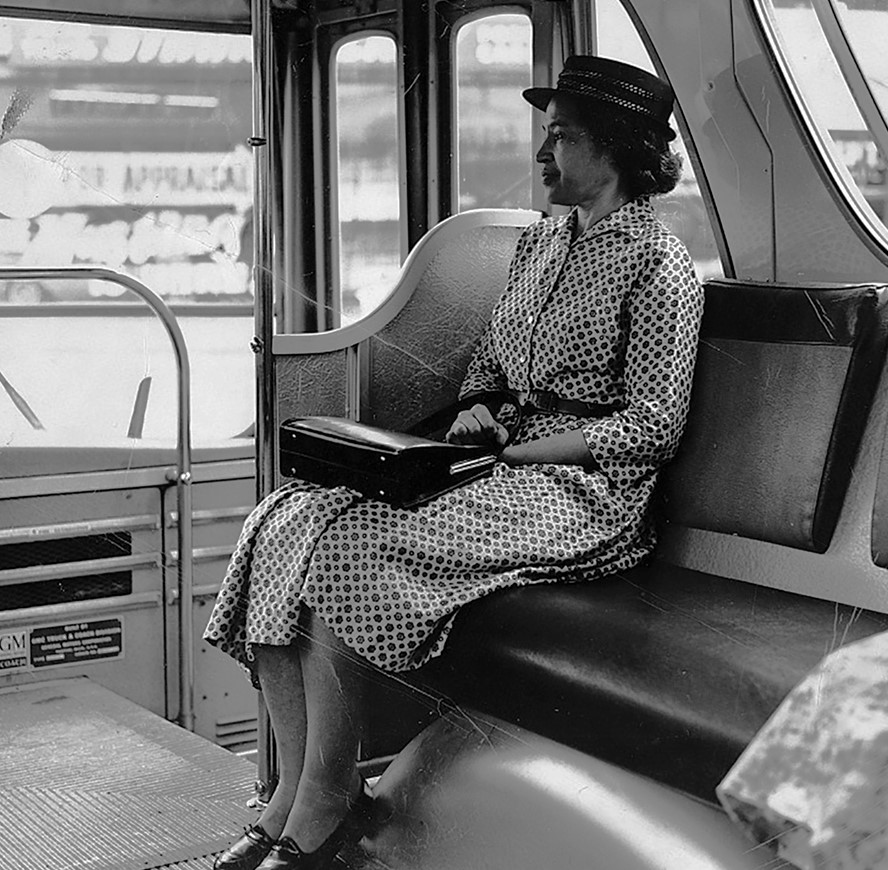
(128, 138)
(330, 36)
(333, 224)
(449, 18)
(463, 21)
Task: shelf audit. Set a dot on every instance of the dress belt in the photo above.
(547, 402)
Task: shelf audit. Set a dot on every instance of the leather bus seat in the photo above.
(662, 670)
(667, 671)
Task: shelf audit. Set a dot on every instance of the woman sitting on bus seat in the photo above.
(602, 308)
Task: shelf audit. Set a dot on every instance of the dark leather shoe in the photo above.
(286, 854)
(247, 853)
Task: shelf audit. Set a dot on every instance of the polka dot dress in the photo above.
(611, 318)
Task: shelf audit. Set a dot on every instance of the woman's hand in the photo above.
(477, 426)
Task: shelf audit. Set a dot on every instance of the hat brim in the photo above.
(539, 98)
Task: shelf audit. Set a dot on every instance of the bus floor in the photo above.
(91, 781)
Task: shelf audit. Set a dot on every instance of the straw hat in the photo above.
(607, 82)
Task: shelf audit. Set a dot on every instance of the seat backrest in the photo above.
(408, 357)
(418, 360)
(784, 381)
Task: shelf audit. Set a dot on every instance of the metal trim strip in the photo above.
(28, 534)
(63, 570)
(78, 610)
(204, 517)
(203, 554)
(207, 590)
(92, 481)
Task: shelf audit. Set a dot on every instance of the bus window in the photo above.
(493, 144)
(132, 144)
(123, 148)
(866, 25)
(682, 210)
(827, 46)
(368, 173)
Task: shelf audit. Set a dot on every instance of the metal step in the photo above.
(91, 781)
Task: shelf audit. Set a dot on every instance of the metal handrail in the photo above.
(183, 456)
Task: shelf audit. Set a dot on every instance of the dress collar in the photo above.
(633, 219)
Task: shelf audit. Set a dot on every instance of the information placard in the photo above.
(13, 650)
(76, 642)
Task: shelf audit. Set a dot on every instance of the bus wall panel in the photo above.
(225, 704)
(134, 620)
(772, 193)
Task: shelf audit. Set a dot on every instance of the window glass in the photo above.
(368, 173)
(123, 148)
(819, 77)
(682, 210)
(866, 25)
(494, 150)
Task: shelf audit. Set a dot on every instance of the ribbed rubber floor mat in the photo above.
(90, 781)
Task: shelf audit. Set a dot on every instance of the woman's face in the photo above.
(574, 172)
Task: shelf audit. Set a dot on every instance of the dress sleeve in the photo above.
(484, 373)
(663, 320)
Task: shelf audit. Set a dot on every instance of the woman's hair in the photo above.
(639, 150)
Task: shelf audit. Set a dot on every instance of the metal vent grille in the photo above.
(18, 595)
(237, 735)
(30, 557)
(55, 551)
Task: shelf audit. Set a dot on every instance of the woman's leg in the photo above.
(334, 709)
(280, 675)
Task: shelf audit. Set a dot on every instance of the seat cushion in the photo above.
(665, 671)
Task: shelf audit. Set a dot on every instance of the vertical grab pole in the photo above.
(185, 536)
(584, 28)
(415, 58)
(263, 289)
(263, 284)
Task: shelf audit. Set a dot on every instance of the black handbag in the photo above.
(401, 469)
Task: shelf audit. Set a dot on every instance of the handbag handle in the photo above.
(436, 424)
